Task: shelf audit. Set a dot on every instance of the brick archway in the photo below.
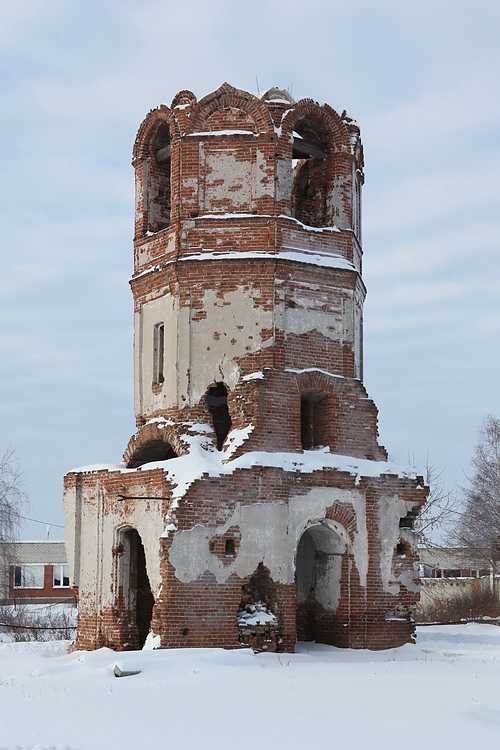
(321, 579)
(147, 129)
(228, 96)
(324, 117)
(156, 433)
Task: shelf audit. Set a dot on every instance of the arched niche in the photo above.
(319, 572)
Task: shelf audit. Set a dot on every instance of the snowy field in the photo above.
(443, 692)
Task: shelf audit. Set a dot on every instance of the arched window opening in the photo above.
(310, 174)
(158, 181)
(153, 450)
(134, 591)
(318, 575)
(217, 406)
(229, 548)
(312, 420)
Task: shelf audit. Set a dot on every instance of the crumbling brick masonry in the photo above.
(254, 505)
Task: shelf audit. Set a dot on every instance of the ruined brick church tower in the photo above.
(254, 505)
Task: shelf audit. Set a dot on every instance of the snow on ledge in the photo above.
(258, 375)
(314, 369)
(324, 260)
(202, 459)
(221, 132)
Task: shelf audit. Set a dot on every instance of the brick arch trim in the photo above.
(153, 432)
(183, 97)
(337, 134)
(147, 129)
(344, 515)
(317, 381)
(228, 96)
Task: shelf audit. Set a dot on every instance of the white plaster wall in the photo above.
(264, 176)
(161, 310)
(231, 329)
(390, 511)
(314, 309)
(71, 534)
(269, 533)
(284, 179)
(228, 177)
(327, 590)
(99, 534)
(323, 572)
(336, 205)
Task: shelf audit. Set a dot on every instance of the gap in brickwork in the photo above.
(216, 399)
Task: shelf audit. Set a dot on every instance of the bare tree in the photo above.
(12, 499)
(435, 518)
(479, 527)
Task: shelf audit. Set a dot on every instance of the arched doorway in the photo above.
(318, 576)
(134, 589)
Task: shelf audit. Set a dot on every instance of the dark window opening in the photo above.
(217, 406)
(408, 521)
(310, 420)
(450, 573)
(229, 548)
(310, 174)
(154, 450)
(401, 549)
(158, 352)
(158, 181)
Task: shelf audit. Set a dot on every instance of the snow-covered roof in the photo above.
(202, 459)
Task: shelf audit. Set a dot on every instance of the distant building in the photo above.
(450, 562)
(450, 575)
(34, 572)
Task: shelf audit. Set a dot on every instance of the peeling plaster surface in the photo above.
(227, 178)
(390, 511)
(270, 532)
(90, 542)
(204, 350)
(232, 328)
(284, 179)
(336, 201)
(307, 308)
(161, 310)
(203, 458)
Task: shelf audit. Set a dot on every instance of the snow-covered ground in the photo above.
(442, 692)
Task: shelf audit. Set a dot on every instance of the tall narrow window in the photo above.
(158, 190)
(158, 352)
(311, 425)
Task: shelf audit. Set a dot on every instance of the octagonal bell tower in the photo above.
(247, 258)
(254, 504)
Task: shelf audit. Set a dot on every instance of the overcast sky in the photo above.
(78, 77)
